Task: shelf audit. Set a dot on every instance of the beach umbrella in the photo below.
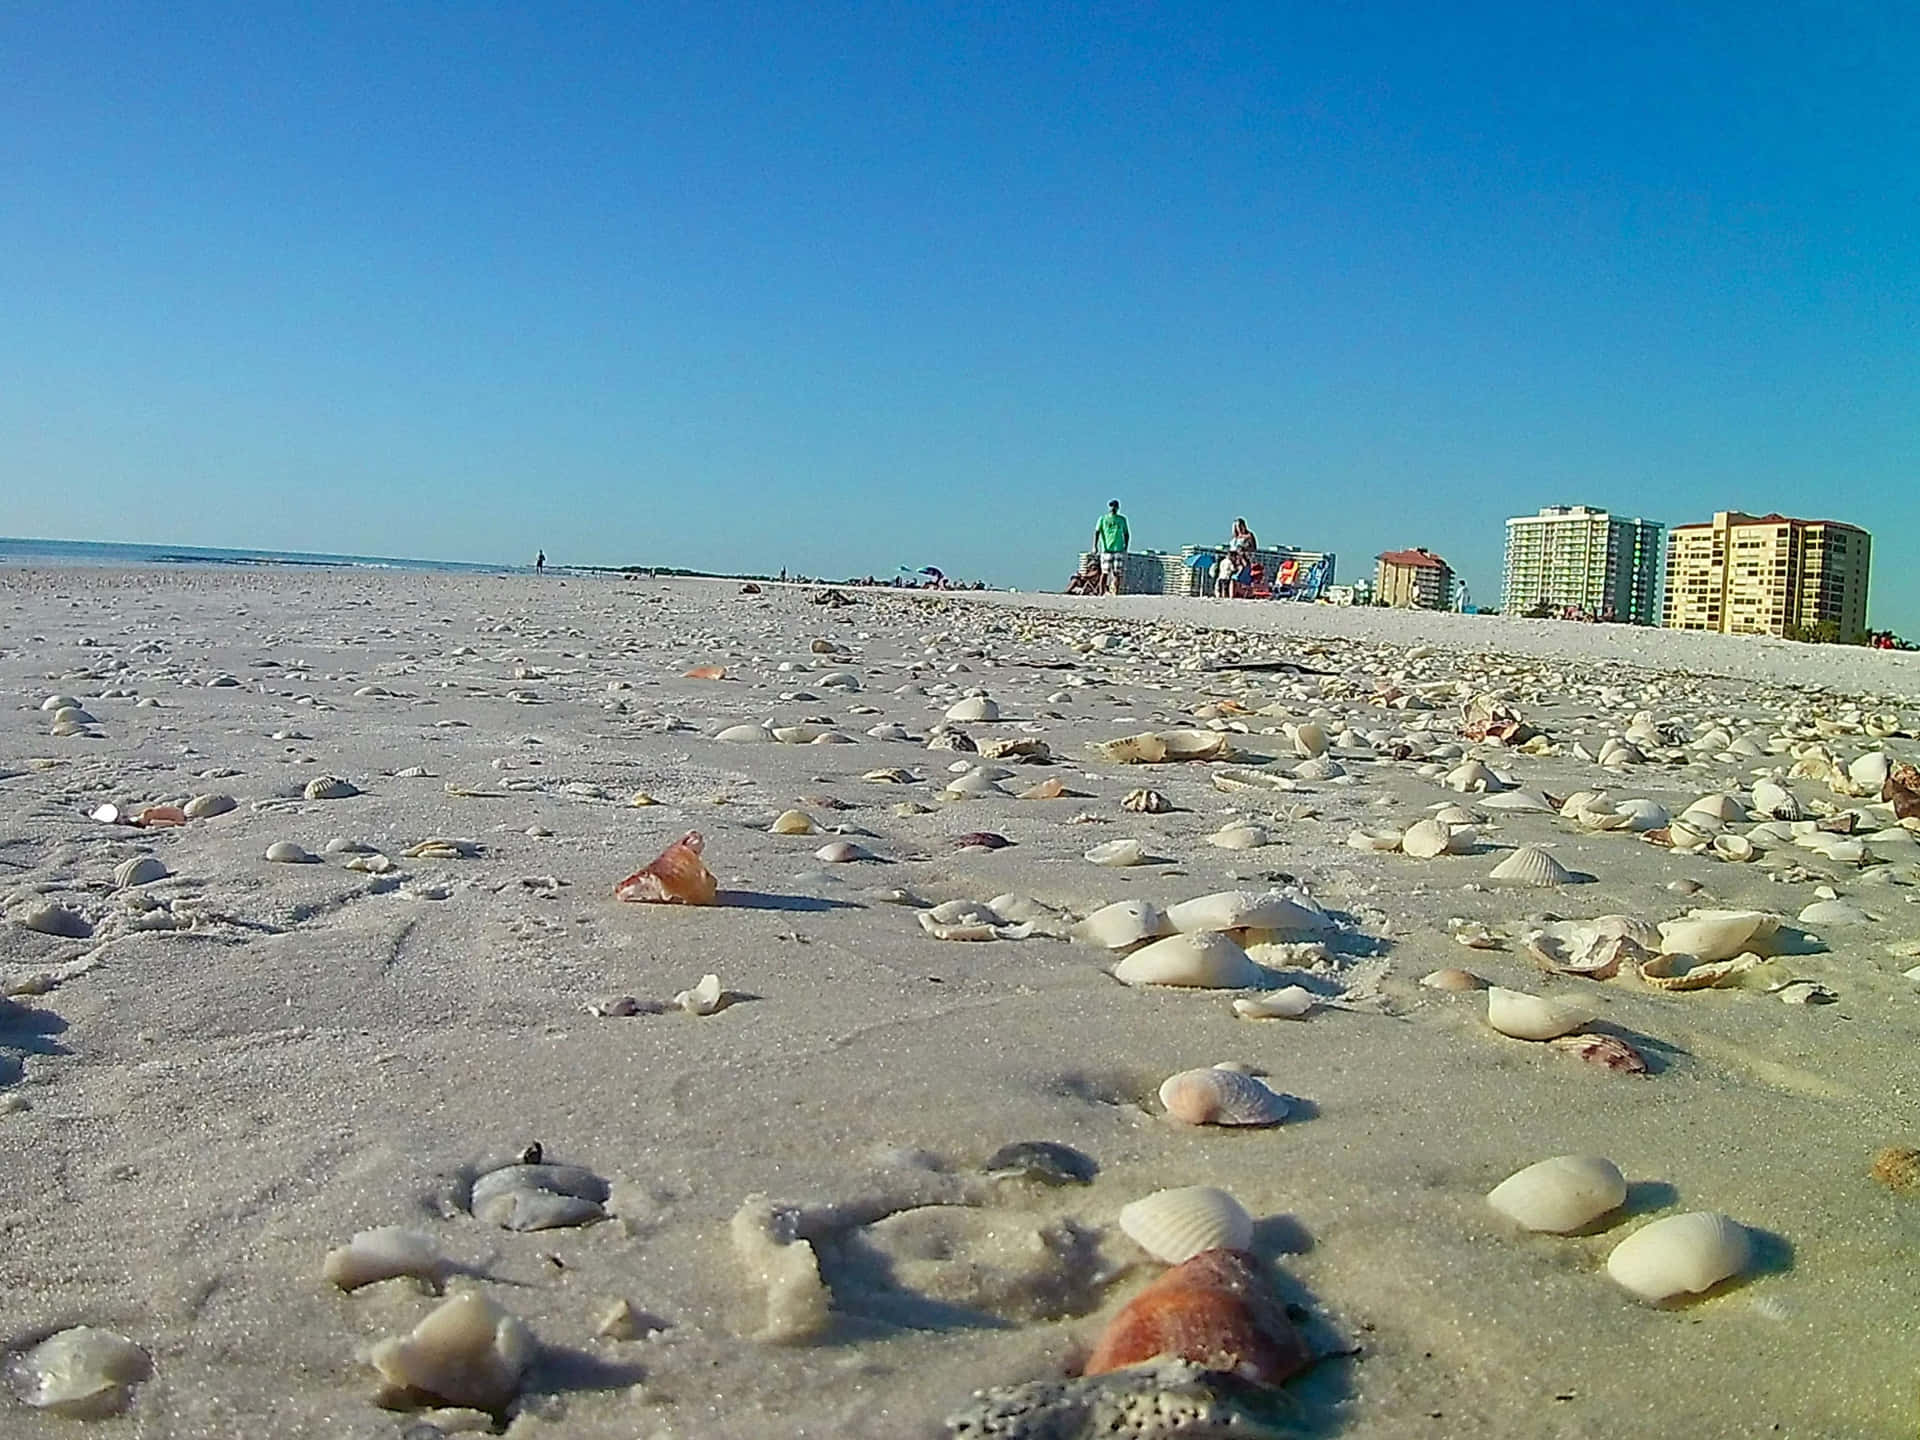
(1199, 562)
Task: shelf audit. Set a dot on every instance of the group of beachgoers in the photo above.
(1233, 573)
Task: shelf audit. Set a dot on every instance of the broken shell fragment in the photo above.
(676, 876)
(1560, 1195)
(468, 1352)
(1289, 1003)
(1221, 1097)
(1146, 749)
(385, 1253)
(539, 1197)
(1118, 853)
(84, 1373)
(1145, 802)
(1606, 1051)
(706, 998)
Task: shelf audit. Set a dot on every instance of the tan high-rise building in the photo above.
(1768, 575)
(1414, 580)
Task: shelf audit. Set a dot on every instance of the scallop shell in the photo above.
(1718, 934)
(1221, 1097)
(202, 807)
(1123, 923)
(1239, 837)
(1426, 839)
(1681, 1254)
(1530, 865)
(1470, 776)
(469, 1352)
(83, 1373)
(1244, 910)
(1289, 1003)
(1118, 853)
(328, 787)
(676, 876)
(141, 870)
(1206, 961)
(1176, 1225)
(1533, 1017)
(383, 1254)
(1560, 1195)
(1131, 749)
(1217, 1310)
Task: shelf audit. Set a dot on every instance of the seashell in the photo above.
(1166, 1397)
(1239, 836)
(1321, 767)
(842, 852)
(954, 740)
(1221, 1097)
(799, 734)
(59, 702)
(1176, 1225)
(202, 807)
(1118, 853)
(50, 918)
(1516, 800)
(1234, 779)
(1835, 912)
(1123, 923)
(161, 816)
(705, 998)
(1309, 739)
(890, 776)
(676, 876)
(1869, 772)
(1196, 744)
(1381, 841)
(974, 783)
(1452, 979)
(1681, 1254)
(1723, 808)
(1774, 799)
(469, 1352)
(1734, 847)
(1718, 934)
(706, 672)
(83, 1373)
(328, 787)
(1017, 747)
(981, 840)
(1290, 1003)
(1530, 865)
(1663, 972)
(1426, 839)
(141, 870)
(1470, 776)
(383, 1254)
(1217, 1310)
(1804, 992)
(1206, 961)
(1560, 1195)
(1146, 802)
(1045, 790)
(1896, 1167)
(1605, 1051)
(976, 708)
(1245, 910)
(1533, 1017)
(285, 852)
(794, 822)
(745, 735)
(105, 814)
(1046, 1161)
(375, 864)
(1642, 815)
(539, 1197)
(1131, 749)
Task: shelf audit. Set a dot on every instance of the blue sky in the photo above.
(841, 287)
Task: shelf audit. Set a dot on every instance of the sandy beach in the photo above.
(216, 1070)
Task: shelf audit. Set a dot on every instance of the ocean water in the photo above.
(93, 552)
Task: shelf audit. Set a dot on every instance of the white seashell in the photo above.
(328, 787)
(1321, 767)
(1774, 799)
(1123, 923)
(1454, 815)
(974, 708)
(1869, 772)
(1235, 779)
(1309, 739)
(1642, 815)
(141, 870)
(468, 1352)
(1244, 910)
(1471, 776)
(840, 852)
(1221, 1097)
(51, 918)
(83, 1373)
(1734, 847)
(285, 852)
(106, 814)
(1518, 800)
(1132, 749)
(1452, 980)
(1289, 1003)
(1239, 836)
(745, 735)
(1425, 839)
(1560, 1195)
(383, 1254)
(1173, 1226)
(59, 702)
(1718, 934)
(1835, 912)
(1723, 808)
(973, 784)
(1530, 865)
(1118, 853)
(1206, 961)
(1376, 840)
(1533, 1017)
(793, 822)
(1681, 1254)
(704, 998)
(202, 807)
(1196, 744)
(799, 734)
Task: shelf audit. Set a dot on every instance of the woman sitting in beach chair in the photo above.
(1087, 582)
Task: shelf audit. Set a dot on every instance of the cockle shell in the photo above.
(140, 870)
(1145, 802)
(328, 787)
(1119, 853)
(676, 876)
(1530, 865)
(1426, 839)
(467, 1352)
(974, 708)
(1560, 1195)
(1606, 1051)
(383, 1254)
(1176, 1225)
(1470, 776)
(1681, 1254)
(1289, 1003)
(83, 1373)
(1123, 923)
(1207, 961)
(1718, 934)
(793, 822)
(1723, 808)
(1216, 1309)
(1221, 1097)
(1245, 910)
(202, 807)
(1533, 1017)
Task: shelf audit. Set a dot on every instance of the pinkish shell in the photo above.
(677, 876)
(1221, 1097)
(1603, 1050)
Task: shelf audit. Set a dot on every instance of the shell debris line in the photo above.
(1181, 984)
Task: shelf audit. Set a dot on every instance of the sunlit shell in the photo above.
(1560, 1195)
(1146, 749)
(1606, 1051)
(1379, 841)
(83, 1373)
(1868, 773)
(1532, 866)
(1045, 790)
(1309, 739)
(1666, 972)
(1146, 802)
(794, 822)
(1208, 961)
(706, 672)
(1718, 934)
(1216, 1310)
(1834, 912)
(327, 787)
(1196, 744)
(841, 852)
(1453, 979)
(1290, 1003)
(1123, 923)
(1221, 1097)
(1239, 836)
(707, 997)
(973, 708)
(1517, 800)
(746, 735)
(1245, 910)
(1734, 847)
(1642, 815)
(469, 1352)
(1681, 1254)
(677, 876)
(1533, 1017)
(1119, 853)
(285, 852)
(1770, 798)
(1176, 1225)
(1723, 808)
(141, 870)
(1321, 767)
(1471, 776)
(383, 1254)
(202, 807)
(1234, 779)
(532, 1196)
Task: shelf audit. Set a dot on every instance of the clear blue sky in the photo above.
(845, 286)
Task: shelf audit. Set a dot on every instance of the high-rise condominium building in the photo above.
(1768, 575)
(1414, 579)
(1573, 557)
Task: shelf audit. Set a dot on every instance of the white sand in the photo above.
(190, 1124)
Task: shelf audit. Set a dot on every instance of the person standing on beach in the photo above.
(1110, 545)
(540, 563)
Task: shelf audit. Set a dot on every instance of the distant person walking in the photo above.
(1110, 546)
(540, 563)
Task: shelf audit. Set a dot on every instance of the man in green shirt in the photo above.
(1110, 545)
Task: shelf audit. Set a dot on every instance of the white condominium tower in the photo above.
(1573, 557)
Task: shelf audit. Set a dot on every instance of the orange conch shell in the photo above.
(678, 876)
(1216, 1310)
